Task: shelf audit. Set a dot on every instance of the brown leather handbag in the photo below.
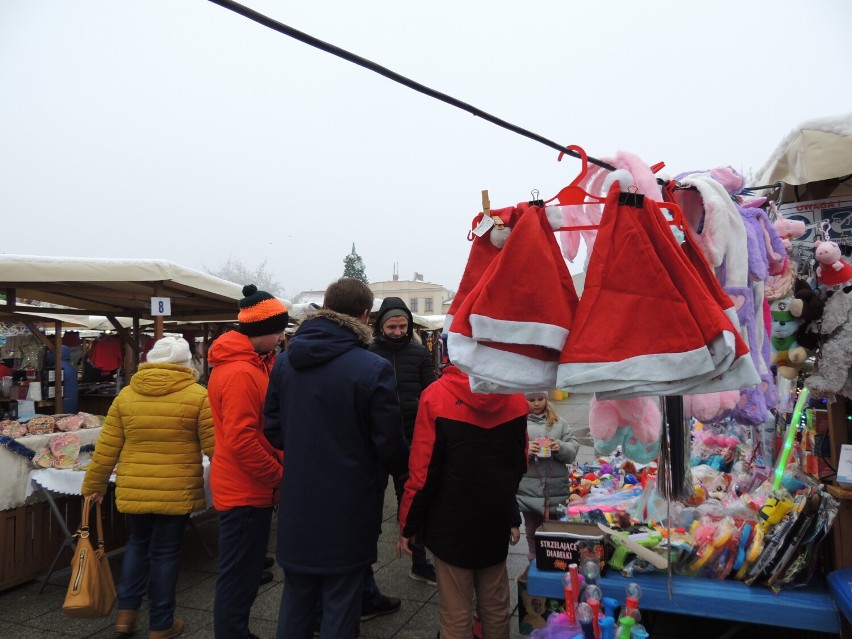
(91, 592)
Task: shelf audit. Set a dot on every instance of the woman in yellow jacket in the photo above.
(156, 429)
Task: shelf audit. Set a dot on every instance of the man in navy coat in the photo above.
(332, 408)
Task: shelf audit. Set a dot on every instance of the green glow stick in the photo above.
(791, 435)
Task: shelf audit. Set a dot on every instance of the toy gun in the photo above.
(626, 544)
(773, 511)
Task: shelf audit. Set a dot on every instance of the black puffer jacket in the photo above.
(411, 362)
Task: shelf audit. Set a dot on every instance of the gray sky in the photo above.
(182, 131)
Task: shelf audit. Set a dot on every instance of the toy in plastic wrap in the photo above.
(647, 539)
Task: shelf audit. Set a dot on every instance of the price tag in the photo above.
(484, 225)
(161, 306)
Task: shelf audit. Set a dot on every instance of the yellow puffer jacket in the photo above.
(155, 430)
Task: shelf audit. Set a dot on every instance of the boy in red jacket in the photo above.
(246, 470)
(467, 459)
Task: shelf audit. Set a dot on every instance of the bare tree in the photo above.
(235, 271)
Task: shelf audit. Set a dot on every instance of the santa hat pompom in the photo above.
(624, 177)
(499, 236)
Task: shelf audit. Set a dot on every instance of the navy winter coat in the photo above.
(332, 408)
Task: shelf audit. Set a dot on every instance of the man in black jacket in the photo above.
(393, 339)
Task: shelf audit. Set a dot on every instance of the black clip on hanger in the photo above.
(536, 200)
(631, 198)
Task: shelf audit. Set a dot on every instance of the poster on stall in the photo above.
(836, 210)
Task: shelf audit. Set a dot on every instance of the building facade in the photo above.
(423, 298)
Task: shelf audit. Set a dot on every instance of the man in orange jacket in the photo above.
(246, 470)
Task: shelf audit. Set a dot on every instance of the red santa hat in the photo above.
(484, 249)
(502, 334)
(732, 372)
(644, 317)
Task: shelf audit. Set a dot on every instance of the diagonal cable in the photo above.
(396, 77)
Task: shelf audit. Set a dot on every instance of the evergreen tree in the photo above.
(353, 266)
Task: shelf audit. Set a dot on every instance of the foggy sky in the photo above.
(182, 131)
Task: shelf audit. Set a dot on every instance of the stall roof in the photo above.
(819, 149)
(116, 287)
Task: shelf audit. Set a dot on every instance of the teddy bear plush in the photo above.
(835, 357)
(831, 270)
(807, 307)
(787, 355)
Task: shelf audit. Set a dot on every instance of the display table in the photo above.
(15, 468)
(811, 608)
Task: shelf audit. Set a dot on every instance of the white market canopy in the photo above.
(113, 288)
(816, 150)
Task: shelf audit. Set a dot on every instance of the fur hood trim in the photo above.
(358, 327)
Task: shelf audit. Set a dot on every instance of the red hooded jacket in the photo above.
(467, 458)
(246, 470)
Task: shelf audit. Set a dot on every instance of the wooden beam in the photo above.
(35, 331)
(123, 333)
(59, 384)
(158, 320)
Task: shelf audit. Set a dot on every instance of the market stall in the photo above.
(50, 295)
(693, 288)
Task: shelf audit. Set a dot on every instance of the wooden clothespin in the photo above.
(486, 210)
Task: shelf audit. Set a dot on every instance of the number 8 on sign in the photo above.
(161, 306)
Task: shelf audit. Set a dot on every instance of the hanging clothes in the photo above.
(506, 346)
(641, 287)
(105, 354)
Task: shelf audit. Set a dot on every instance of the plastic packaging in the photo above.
(585, 617)
(607, 625)
(625, 627)
(639, 632)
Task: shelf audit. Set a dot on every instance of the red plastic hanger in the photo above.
(574, 194)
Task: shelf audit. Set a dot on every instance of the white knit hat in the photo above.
(170, 350)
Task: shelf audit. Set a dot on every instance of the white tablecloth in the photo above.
(15, 468)
(70, 481)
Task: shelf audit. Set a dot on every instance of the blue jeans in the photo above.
(243, 538)
(151, 564)
(341, 605)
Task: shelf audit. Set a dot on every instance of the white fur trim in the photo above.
(448, 325)
(654, 373)
(490, 329)
(499, 236)
(625, 180)
(509, 371)
(554, 217)
(740, 375)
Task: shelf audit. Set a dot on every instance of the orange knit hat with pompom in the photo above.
(261, 313)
